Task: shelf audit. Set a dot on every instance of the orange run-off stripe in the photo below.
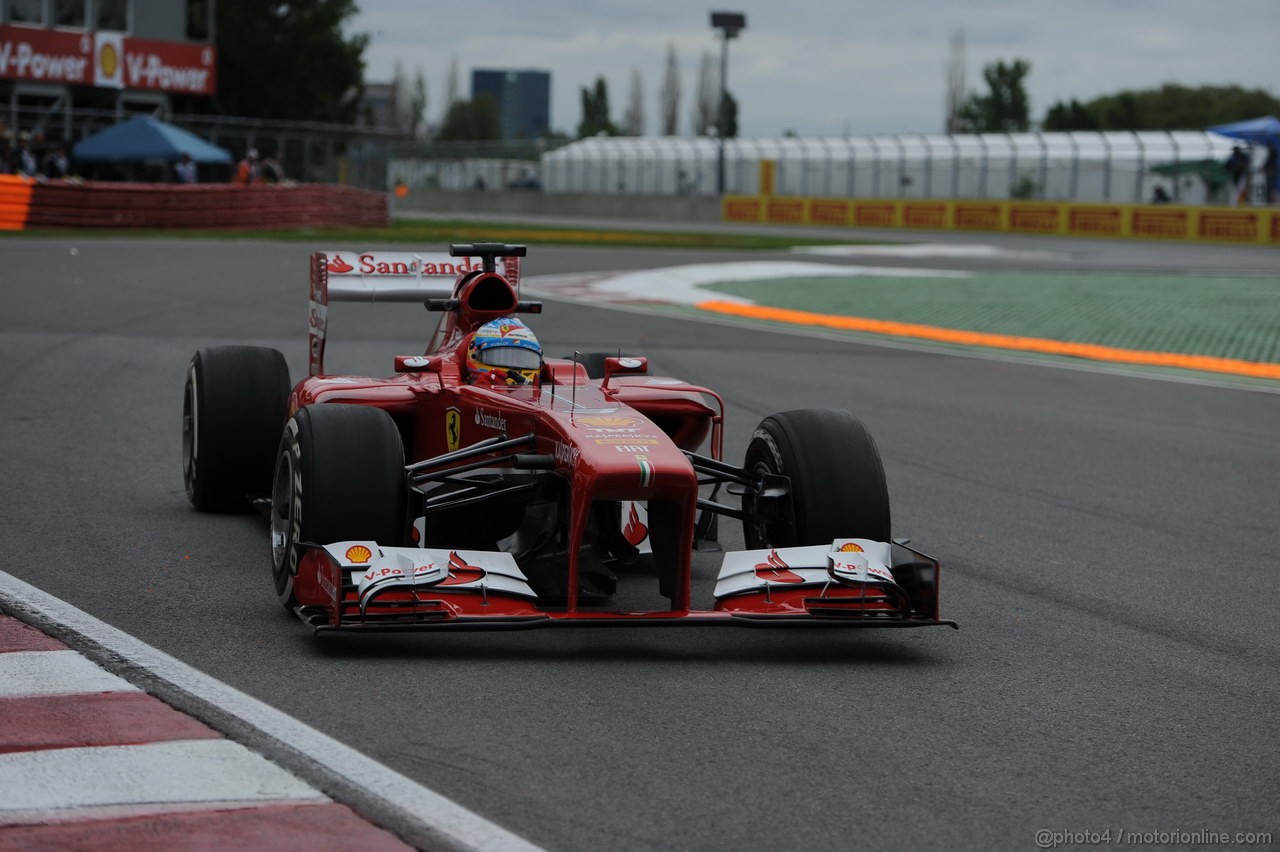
(1206, 363)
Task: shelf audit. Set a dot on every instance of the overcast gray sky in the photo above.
(827, 67)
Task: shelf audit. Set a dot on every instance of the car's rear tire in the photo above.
(339, 476)
(233, 407)
(838, 487)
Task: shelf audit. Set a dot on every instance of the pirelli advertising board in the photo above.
(1133, 221)
(109, 60)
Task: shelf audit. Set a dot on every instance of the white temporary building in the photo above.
(1080, 166)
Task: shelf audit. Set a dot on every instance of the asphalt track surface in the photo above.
(1109, 547)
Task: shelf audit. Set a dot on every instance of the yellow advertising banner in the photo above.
(767, 168)
(785, 211)
(1257, 225)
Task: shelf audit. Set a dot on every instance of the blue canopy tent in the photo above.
(1265, 130)
(143, 138)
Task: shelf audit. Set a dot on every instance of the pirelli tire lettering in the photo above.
(295, 503)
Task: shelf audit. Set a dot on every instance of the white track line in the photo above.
(421, 816)
(931, 250)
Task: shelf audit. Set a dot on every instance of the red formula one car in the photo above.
(486, 486)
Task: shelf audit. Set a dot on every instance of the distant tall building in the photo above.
(523, 98)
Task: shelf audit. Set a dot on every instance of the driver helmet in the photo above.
(504, 352)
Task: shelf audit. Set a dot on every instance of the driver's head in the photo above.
(504, 352)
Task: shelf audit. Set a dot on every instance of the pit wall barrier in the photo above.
(1257, 225)
(94, 204)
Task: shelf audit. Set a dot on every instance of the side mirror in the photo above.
(418, 363)
(625, 365)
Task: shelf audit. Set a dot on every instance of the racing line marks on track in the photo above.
(88, 758)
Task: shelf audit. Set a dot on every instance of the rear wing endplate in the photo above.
(351, 276)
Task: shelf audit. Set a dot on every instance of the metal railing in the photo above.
(1079, 166)
(308, 152)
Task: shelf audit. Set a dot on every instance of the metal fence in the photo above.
(307, 152)
(1103, 167)
(1081, 166)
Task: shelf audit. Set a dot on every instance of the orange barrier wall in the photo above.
(96, 204)
(1141, 221)
(15, 202)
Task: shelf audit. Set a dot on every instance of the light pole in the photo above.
(729, 24)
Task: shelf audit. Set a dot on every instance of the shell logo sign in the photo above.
(850, 547)
(358, 553)
(108, 60)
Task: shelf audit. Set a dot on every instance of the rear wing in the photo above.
(351, 276)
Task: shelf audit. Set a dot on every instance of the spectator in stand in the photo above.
(185, 169)
(21, 160)
(1238, 168)
(1269, 170)
(271, 171)
(247, 170)
(55, 165)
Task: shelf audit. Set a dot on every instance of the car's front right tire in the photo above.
(233, 405)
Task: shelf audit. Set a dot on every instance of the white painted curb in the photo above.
(393, 801)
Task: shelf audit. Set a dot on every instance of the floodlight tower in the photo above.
(729, 24)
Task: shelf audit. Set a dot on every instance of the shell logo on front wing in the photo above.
(358, 553)
(850, 547)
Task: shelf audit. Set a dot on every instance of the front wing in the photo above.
(362, 586)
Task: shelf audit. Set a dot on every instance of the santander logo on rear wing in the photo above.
(382, 276)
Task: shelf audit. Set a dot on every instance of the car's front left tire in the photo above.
(339, 476)
(837, 489)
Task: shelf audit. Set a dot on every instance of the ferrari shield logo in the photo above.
(453, 428)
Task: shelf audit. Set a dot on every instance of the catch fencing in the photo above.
(1111, 167)
(307, 152)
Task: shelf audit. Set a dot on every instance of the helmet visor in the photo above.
(510, 357)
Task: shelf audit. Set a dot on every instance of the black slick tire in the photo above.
(838, 487)
(233, 407)
(339, 476)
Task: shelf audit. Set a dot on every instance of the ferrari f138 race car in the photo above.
(484, 485)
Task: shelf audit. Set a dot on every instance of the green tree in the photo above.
(1005, 108)
(471, 121)
(1170, 107)
(289, 59)
(730, 107)
(595, 111)
(1070, 116)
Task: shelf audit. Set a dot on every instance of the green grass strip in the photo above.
(1227, 317)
